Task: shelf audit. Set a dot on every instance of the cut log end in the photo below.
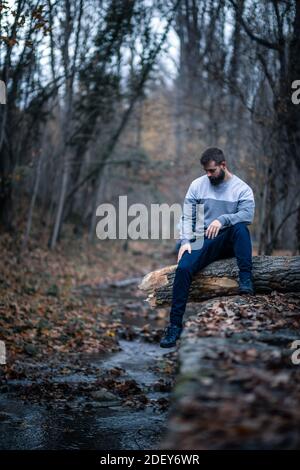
(157, 278)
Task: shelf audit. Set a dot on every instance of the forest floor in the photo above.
(238, 386)
(81, 339)
(84, 368)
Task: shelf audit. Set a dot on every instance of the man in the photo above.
(228, 209)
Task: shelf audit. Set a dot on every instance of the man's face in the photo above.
(215, 172)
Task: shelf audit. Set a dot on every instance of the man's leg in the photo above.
(242, 247)
(189, 264)
(240, 241)
(231, 241)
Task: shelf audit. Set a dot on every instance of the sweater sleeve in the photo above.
(188, 218)
(245, 210)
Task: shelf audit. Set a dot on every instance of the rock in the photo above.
(103, 395)
(31, 349)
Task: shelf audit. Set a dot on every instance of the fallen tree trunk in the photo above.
(280, 273)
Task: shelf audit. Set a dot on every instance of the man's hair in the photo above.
(212, 153)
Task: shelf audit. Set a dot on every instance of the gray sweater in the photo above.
(230, 202)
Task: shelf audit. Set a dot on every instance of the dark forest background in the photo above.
(107, 98)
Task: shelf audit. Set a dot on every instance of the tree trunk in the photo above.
(61, 201)
(281, 273)
(33, 198)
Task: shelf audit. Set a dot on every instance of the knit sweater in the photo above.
(230, 202)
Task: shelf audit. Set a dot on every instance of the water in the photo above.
(103, 426)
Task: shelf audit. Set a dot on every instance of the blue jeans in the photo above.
(231, 241)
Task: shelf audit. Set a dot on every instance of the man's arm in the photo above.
(245, 212)
(188, 218)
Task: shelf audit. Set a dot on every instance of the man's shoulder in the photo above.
(242, 185)
(199, 182)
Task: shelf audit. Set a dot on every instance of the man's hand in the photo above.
(213, 229)
(183, 248)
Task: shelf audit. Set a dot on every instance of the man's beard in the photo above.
(215, 180)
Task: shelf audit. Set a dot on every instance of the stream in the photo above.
(61, 404)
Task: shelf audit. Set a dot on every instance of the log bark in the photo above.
(270, 273)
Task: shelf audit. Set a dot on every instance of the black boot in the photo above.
(171, 335)
(246, 284)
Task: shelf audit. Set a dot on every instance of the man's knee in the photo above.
(240, 227)
(185, 268)
(186, 265)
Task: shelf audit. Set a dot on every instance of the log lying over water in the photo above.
(280, 273)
